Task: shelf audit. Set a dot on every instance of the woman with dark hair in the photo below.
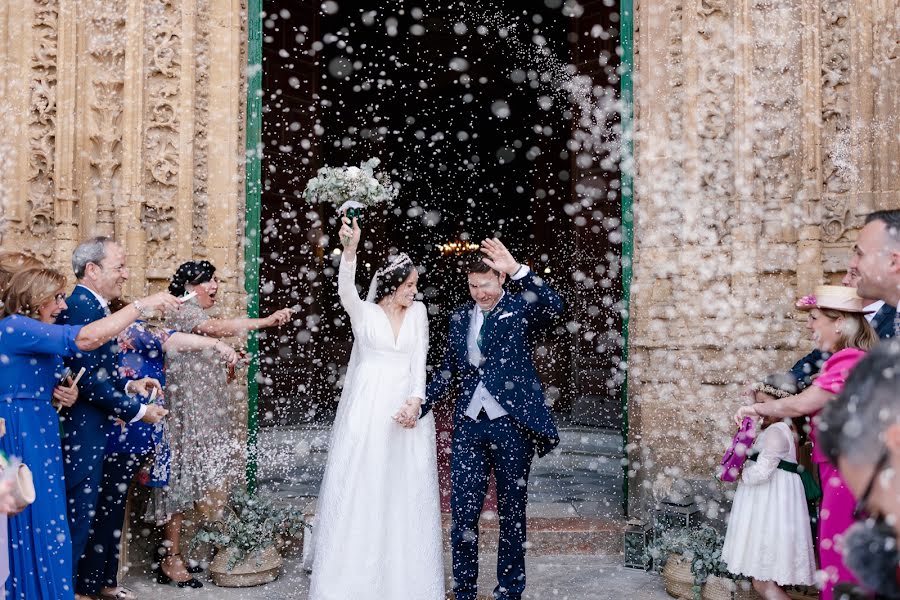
(206, 449)
(382, 460)
(33, 348)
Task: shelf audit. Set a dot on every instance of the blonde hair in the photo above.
(856, 332)
(13, 262)
(29, 289)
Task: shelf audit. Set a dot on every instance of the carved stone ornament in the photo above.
(836, 217)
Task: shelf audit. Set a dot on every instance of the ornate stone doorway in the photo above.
(481, 148)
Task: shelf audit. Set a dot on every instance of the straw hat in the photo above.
(833, 297)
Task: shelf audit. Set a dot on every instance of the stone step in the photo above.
(589, 441)
(593, 536)
(553, 529)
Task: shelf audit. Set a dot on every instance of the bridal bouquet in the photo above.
(351, 187)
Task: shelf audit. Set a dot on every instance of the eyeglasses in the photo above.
(59, 298)
(119, 269)
(859, 511)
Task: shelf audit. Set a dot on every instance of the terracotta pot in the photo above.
(678, 577)
(258, 568)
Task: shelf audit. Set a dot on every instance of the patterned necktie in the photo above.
(897, 325)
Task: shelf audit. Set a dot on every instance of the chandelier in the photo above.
(457, 247)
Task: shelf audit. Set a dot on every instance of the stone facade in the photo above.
(765, 132)
(109, 111)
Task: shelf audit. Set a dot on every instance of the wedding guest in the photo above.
(838, 327)
(880, 316)
(876, 257)
(33, 348)
(860, 434)
(142, 350)
(10, 264)
(768, 537)
(205, 452)
(99, 267)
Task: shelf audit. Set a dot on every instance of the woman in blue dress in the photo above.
(31, 351)
(142, 351)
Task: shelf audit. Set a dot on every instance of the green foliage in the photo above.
(702, 546)
(337, 185)
(249, 523)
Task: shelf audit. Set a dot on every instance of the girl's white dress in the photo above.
(377, 530)
(769, 536)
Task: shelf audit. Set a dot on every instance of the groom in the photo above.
(501, 417)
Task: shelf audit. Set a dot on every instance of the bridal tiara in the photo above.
(397, 262)
(394, 264)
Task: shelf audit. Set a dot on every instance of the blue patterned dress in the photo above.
(40, 548)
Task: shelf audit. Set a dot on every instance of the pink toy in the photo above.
(737, 453)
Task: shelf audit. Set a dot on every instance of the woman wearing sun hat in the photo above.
(836, 318)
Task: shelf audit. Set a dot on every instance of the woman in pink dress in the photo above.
(836, 319)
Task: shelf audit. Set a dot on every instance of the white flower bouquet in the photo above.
(351, 188)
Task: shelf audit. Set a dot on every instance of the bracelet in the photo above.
(141, 309)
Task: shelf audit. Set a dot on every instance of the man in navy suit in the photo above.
(99, 265)
(501, 417)
(876, 257)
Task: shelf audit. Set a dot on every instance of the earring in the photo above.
(837, 331)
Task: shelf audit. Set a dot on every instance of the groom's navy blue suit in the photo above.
(505, 444)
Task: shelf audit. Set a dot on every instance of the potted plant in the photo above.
(691, 564)
(668, 555)
(246, 540)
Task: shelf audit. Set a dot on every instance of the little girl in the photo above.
(769, 537)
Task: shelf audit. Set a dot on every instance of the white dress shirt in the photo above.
(874, 307)
(104, 304)
(482, 398)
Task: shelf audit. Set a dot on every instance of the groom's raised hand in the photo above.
(498, 257)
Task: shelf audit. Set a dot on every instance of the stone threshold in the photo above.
(552, 529)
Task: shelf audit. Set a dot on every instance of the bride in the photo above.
(378, 523)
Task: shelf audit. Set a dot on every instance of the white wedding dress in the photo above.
(377, 531)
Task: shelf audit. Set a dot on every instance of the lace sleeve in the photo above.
(775, 447)
(350, 299)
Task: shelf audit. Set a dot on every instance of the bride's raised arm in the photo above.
(350, 299)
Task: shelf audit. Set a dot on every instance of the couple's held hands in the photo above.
(408, 415)
(498, 257)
